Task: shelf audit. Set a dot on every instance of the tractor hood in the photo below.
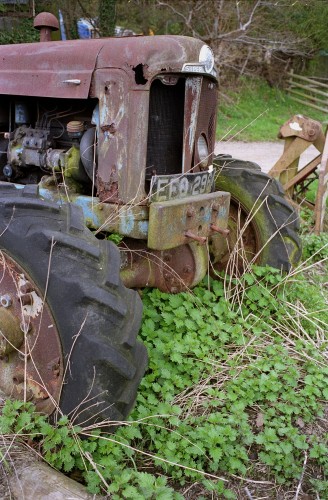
(64, 69)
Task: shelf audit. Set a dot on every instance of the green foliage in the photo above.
(107, 17)
(229, 384)
(315, 247)
(21, 34)
(115, 238)
(255, 112)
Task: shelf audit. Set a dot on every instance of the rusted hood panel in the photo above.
(43, 69)
(156, 53)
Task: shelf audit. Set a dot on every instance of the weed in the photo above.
(315, 247)
(233, 388)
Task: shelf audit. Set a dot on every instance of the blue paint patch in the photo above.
(127, 224)
(143, 226)
(222, 212)
(208, 215)
(85, 202)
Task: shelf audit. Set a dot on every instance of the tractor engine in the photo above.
(53, 146)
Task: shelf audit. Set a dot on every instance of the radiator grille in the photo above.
(165, 128)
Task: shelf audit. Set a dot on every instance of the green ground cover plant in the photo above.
(254, 111)
(234, 399)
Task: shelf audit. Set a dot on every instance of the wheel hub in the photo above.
(243, 238)
(31, 364)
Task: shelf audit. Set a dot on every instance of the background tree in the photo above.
(107, 17)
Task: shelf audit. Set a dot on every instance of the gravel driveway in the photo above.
(264, 153)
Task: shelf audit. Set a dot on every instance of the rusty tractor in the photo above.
(113, 136)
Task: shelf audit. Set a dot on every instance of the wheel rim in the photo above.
(31, 361)
(248, 246)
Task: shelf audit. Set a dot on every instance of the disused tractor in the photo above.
(108, 136)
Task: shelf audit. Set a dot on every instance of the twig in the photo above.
(248, 493)
(302, 476)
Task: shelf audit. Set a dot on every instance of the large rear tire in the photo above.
(263, 224)
(98, 363)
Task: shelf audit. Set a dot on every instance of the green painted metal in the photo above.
(170, 221)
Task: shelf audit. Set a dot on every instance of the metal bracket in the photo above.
(174, 223)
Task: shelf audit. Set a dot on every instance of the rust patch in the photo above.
(108, 191)
(170, 271)
(24, 369)
(111, 128)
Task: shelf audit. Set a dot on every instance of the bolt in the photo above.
(187, 269)
(190, 212)
(6, 300)
(167, 258)
(192, 236)
(215, 207)
(7, 171)
(224, 232)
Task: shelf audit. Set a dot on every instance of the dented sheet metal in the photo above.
(52, 69)
(112, 89)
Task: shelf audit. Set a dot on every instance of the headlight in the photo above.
(206, 57)
(202, 150)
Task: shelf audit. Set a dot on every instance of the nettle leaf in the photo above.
(180, 312)
(190, 325)
(179, 323)
(131, 492)
(286, 447)
(168, 318)
(68, 462)
(216, 454)
(300, 442)
(176, 300)
(176, 357)
(167, 494)
(23, 421)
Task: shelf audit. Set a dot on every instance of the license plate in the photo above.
(172, 187)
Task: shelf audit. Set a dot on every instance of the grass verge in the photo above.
(254, 111)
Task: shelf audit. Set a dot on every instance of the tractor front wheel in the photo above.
(263, 225)
(68, 326)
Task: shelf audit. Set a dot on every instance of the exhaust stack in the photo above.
(46, 23)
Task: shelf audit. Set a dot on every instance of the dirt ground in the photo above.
(264, 153)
